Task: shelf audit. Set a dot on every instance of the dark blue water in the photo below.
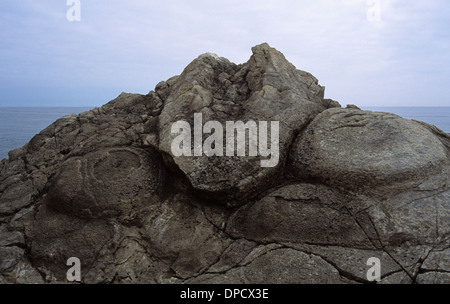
(19, 125)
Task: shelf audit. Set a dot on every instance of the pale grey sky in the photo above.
(402, 59)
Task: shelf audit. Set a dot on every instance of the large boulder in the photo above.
(346, 186)
(358, 149)
(115, 182)
(267, 88)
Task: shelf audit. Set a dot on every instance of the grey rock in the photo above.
(57, 237)
(437, 260)
(266, 88)
(24, 273)
(234, 255)
(330, 103)
(105, 187)
(280, 266)
(397, 278)
(16, 197)
(441, 135)
(290, 215)
(426, 215)
(175, 227)
(11, 238)
(360, 149)
(351, 262)
(352, 106)
(114, 182)
(9, 257)
(288, 266)
(434, 278)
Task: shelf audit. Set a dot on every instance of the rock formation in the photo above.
(105, 187)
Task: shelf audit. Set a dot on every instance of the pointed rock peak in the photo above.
(268, 66)
(211, 55)
(263, 47)
(264, 54)
(203, 66)
(211, 59)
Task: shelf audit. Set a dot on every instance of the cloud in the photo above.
(132, 45)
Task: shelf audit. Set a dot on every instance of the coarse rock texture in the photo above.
(357, 149)
(105, 187)
(267, 88)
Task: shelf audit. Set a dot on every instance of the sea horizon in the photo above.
(19, 124)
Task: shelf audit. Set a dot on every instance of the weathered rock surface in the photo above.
(105, 187)
(359, 149)
(267, 88)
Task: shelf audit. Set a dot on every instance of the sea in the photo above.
(438, 116)
(19, 124)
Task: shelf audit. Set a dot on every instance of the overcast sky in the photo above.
(395, 54)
